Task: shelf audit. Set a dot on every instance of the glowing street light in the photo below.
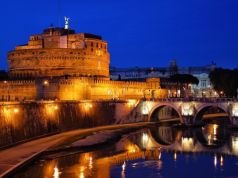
(87, 106)
(56, 107)
(45, 82)
(131, 102)
(187, 109)
(16, 110)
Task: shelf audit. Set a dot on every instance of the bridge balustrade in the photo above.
(203, 100)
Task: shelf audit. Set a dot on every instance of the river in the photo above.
(161, 151)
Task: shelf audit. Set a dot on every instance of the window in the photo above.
(203, 83)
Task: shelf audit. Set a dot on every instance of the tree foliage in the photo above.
(184, 79)
(225, 80)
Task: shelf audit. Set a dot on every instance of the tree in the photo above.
(184, 79)
(225, 80)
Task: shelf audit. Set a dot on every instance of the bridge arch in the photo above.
(204, 108)
(163, 135)
(159, 106)
(212, 136)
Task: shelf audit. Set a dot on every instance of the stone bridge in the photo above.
(189, 112)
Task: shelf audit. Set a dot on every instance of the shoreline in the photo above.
(16, 157)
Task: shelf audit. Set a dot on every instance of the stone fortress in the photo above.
(59, 52)
(60, 64)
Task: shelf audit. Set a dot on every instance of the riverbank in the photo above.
(16, 157)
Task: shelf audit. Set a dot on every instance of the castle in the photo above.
(61, 64)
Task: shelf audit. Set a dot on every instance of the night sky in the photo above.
(141, 33)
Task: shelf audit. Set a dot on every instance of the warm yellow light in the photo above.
(234, 143)
(90, 162)
(131, 148)
(146, 107)
(145, 139)
(215, 129)
(221, 161)
(131, 102)
(187, 109)
(46, 82)
(16, 110)
(6, 111)
(235, 110)
(51, 110)
(56, 107)
(81, 172)
(160, 155)
(123, 166)
(98, 52)
(175, 156)
(88, 106)
(56, 173)
(187, 144)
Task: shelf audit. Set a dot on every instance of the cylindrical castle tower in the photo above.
(60, 52)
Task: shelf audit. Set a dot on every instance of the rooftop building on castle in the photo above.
(59, 52)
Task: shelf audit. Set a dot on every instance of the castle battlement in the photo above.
(64, 65)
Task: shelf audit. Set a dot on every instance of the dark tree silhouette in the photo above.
(225, 80)
(184, 79)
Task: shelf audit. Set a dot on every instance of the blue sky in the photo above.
(141, 33)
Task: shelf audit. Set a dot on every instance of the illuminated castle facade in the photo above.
(59, 52)
(60, 64)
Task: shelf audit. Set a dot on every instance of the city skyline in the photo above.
(128, 88)
(144, 34)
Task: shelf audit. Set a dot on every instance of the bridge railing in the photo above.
(190, 99)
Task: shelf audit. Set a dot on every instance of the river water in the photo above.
(158, 151)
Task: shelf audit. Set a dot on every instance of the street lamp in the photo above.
(221, 93)
(45, 82)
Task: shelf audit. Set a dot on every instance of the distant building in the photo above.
(203, 89)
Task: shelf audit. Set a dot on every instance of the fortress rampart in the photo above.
(59, 64)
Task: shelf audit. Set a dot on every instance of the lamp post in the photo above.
(45, 83)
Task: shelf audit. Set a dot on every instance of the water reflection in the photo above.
(147, 149)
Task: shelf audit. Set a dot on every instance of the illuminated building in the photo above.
(61, 64)
(59, 52)
(203, 89)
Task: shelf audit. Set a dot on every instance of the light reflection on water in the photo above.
(166, 152)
